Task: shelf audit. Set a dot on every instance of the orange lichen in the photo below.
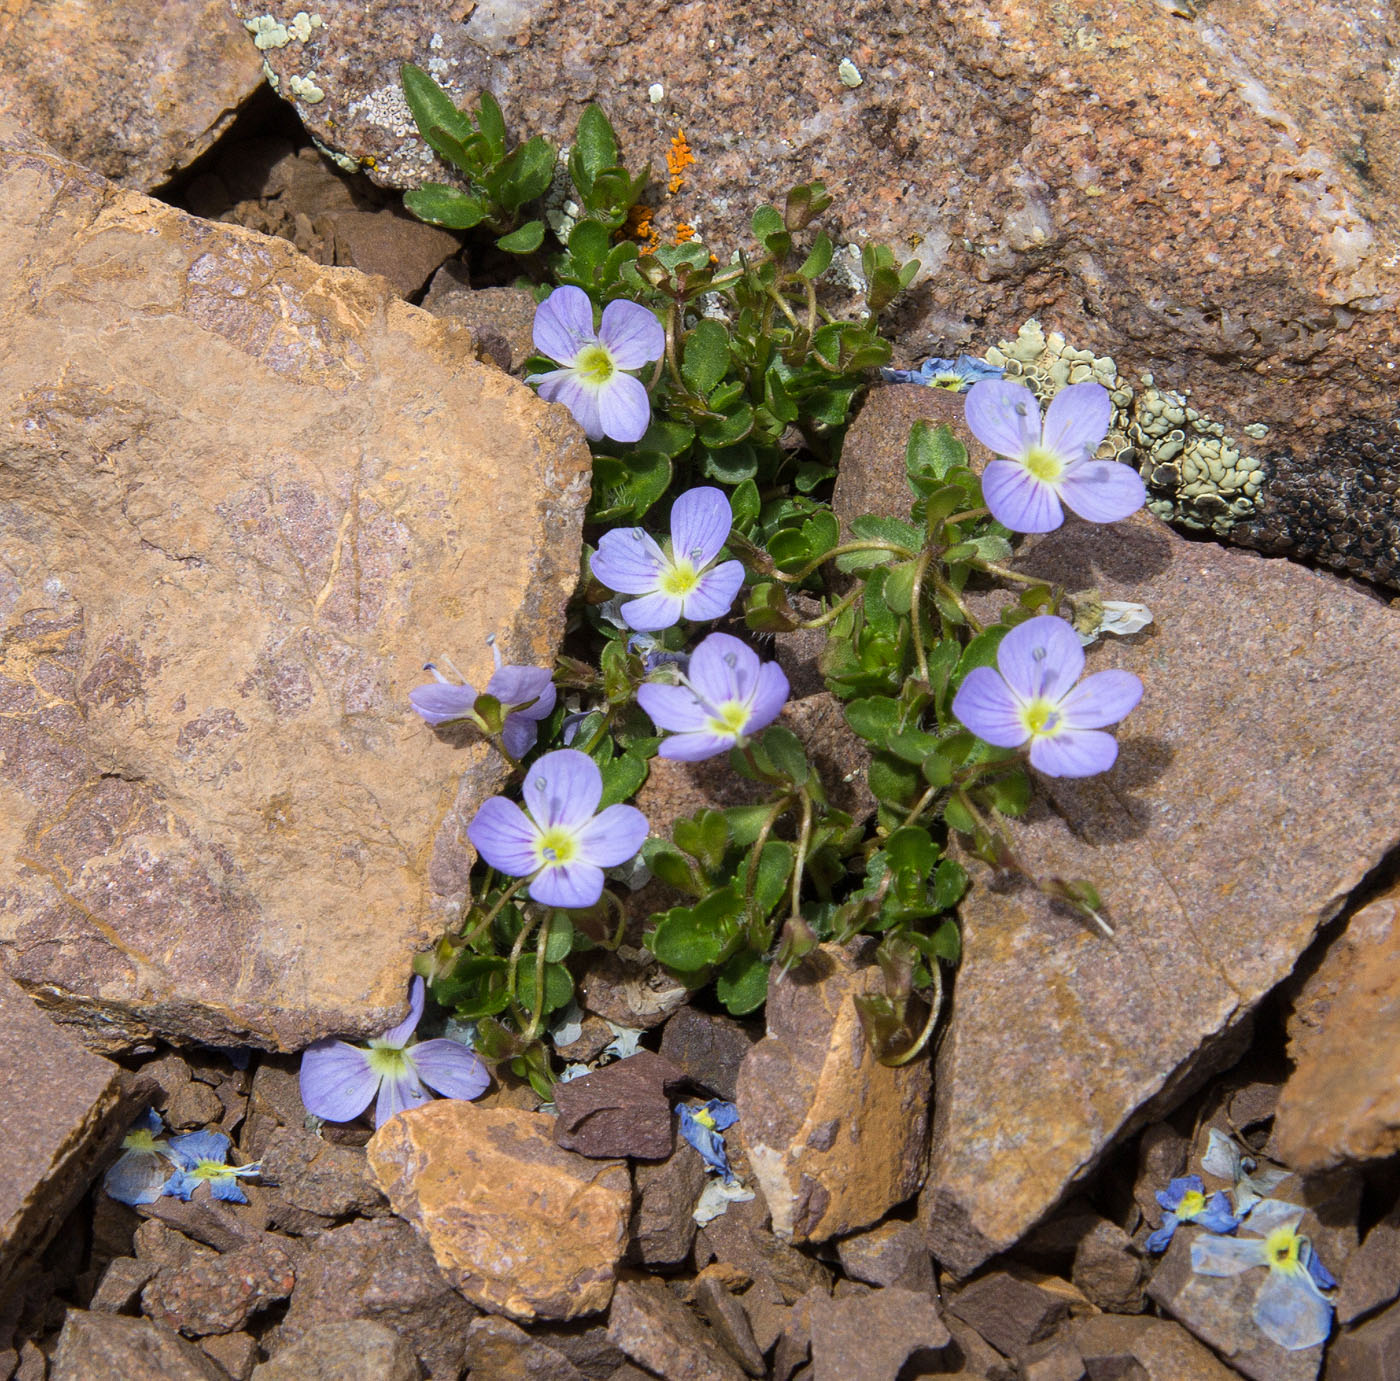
(678, 159)
(684, 232)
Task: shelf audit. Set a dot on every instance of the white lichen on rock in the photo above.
(386, 108)
(270, 32)
(849, 74)
(305, 89)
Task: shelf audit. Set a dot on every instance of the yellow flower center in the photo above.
(704, 1118)
(1192, 1202)
(729, 719)
(209, 1170)
(387, 1061)
(594, 365)
(1044, 464)
(1283, 1246)
(141, 1140)
(679, 578)
(1041, 719)
(556, 847)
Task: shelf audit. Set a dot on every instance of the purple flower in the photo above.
(526, 695)
(339, 1080)
(591, 384)
(201, 1158)
(1185, 1202)
(1032, 695)
(677, 580)
(702, 1126)
(725, 695)
(561, 844)
(1050, 465)
(140, 1173)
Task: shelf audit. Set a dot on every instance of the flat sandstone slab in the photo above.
(242, 500)
(1255, 787)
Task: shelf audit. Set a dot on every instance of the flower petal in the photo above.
(136, 1177)
(714, 592)
(985, 705)
(653, 612)
(769, 695)
(514, 685)
(440, 704)
(624, 409)
(1103, 491)
(723, 669)
(632, 334)
(1074, 753)
(449, 1067)
(628, 560)
(565, 386)
(564, 324)
(700, 523)
(193, 1147)
(612, 837)
(695, 747)
(519, 734)
(1289, 1311)
(562, 788)
(1160, 1240)
(568, 884)
(1216, 1214)
(1268, 1216)
(228, 1189)
(1018, 500)
(1076, 421)
(1041, 658)
(1004, 416)
(397, 1036)
(673, 707)
(502, 834)
(1101, 699)
(336, 1080)
(1227, 1256)
(397, 1093)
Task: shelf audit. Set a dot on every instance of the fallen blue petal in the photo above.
(701, 1127)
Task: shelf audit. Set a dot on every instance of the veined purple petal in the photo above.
(694, 747)
(568, 884)
(564, 386)
(985, 705)
(398, 1092)
(1103, 491)
(1074, 753)
(714, 592)
(336, 1081)
(652, 612)
(722, 669)
(1018, 500)
(1289, 1310)
(1077, 421)
(700, 523)
(1004, 416)
(514, 685)
(564, 324)
(562, 788)
(397, 1036)
(1227, 1256)
(624, 409)
(440, 704)
(519, 734)
(449, 1067)
(612, 837)
(629, 561)
(673, 708)
(1101, 699)
(770, 694)
(1041, 658)
(632, 334)
(502, 834)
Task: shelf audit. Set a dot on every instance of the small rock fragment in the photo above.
(405, 251)
(623, 1109)
(731, 1324)
(1164, 1351)
(312, 1174)
(657, 1331)
(708, 1047)
(112, 1345)
(1371, 1276)
(1370, 1352)
(193, 1105)
(1108, 1270)
(628, 987)
(503, 1351)
(219, 1294)
(873, 1335)
(121, 1285)
(893, 1253)
(356, 1350)
(236, 1353)
(1010, 1313)
(1056, 1359)
(662, 1229)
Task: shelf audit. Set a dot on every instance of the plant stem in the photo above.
(916, 622)
(902, 553)
(484, 923)
(935, 1006)
(799, 864)
(834, 612)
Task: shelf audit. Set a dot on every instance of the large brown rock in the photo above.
(242, 500)
(1255, 787)
(133, 92)
(1175, 190)
(834, 1138)
(519, 1225)
(1342, 1101)
(94, 1345)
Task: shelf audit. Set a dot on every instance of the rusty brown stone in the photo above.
(656, 1330)
(356, 1350)
(502, 319)
(623, 1109)
(835, 1139)
(1010, 1313)
(208, 751)
(220, 1294)
(1163, 1350)
(93, 1345)
(1342, 1101)
(709, 1047)
(488, 1189)
(876, 1333)
(504, 1351)
(891, 1253)
(311, 1174)
(1371, 1277)
(662, 1229)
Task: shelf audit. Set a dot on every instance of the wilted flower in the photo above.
(201, 1158)
(526, 695)
(678, 580)
(956, 375)
(726, 694)
(702, 1126)
(339, 1080)
(1226, 1161)
(139, 1174)
(1033, 696)
(1045, 466)
(1121, 617)
(1185, 1202)
(591, 384)
(1290, 1307)
(561, 843)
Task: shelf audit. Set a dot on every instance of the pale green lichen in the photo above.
(270, 32)
(304, 89)
(1196, 475)
(849, 74)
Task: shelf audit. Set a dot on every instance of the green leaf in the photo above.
(526, 240)
(622, 778)
(492, 124)
(669, 865)
(588, 247)
(718, 433)
(949, 884)
(947, 942)
(1011, 795)
(743, 983)
(731, 464)
(670, 438)
(766, 221)
(431, 106)
(933, 451)
(899, 586)
(561, 937)
(980, 652)
(595, 148)
(745, 822)
(706, 356)
(744, 504)
(774, 870)
(450, 207)
(991, 547)
(558, 985)
(532, 172)
(704, 836)
(626, 488)
(870, 527)
(818, 259)
(784, 750)
(892, 781)
(958, 816)
(911, 850)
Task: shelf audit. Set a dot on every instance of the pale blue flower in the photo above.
(702, 1126)
(139, 1174)
(526, 694)
(1185, 1201)
(201, 1158)
(956, 375)
(1226, 1161)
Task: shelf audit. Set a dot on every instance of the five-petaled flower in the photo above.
(678, 580)
(1290, 1307)
(1045, 466)
(956, 375)
(725, 695)
(139, 1174)
(563, 843)
(339, 1080)
(1185, 1202)
(526, 695)
(702, 1126)
(591, 383)
(202, 1158)
(1032, 696)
